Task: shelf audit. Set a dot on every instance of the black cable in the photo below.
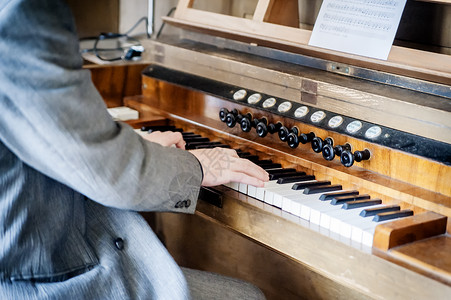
(111, 35)
(162, 25)
(137, 23)
(105, 36)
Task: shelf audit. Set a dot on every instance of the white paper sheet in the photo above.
(362, 27)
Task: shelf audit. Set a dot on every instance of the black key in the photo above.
(189, 140)
(302, 185)
(322, 188)
(374, 211)
(330, 196)
(242, 154)
(361, 203)
(263, 162)
(194, 145)
(392, 215)
(282, 171)
(342, 200)
(160, 128)
(252, 158)
(292, 179)
(271, 166)
(211, 146)
(188, 133)
(282, 175)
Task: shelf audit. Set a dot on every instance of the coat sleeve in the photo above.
(54, 120)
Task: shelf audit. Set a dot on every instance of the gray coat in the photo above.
(71, 178)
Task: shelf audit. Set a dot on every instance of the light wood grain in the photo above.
(401, 60)
(408, 230)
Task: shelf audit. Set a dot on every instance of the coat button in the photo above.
(179, 204)
(187, 203)
(119, 243)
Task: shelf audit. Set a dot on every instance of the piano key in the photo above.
(322, 189)
(252, 190)
(282, 171)
(332, 216)
(292, 179)
(161, 128)
(193, 139)
(209, 146)
(271, 166)
(374, 211)
(279, 189)
(361, 203)
(330, 196)
(392, 215)
(342, 200)
(242, 188)
(260, 191)
(303, 185)
(193, 145)
(286, 174)
(250, 157)
(301, 204)
(190, 135)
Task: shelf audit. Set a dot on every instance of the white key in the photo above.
(260, 191)
(233, 185)
(300, 204)
(279, 188)
(346, 227)
(242, 188)
(277, 195)
(252, 191)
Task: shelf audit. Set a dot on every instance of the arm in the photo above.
(53, 118)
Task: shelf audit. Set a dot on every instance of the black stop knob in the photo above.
(246, 124)
(347, 158)
(317, 144)
(262, 128)
(362, 155)
(256, 121)
(305, 138)
(340, 148)
(328, 152)
(223, 114)
(231, 118)
(273, 128)
(293, 140)
(283, 133)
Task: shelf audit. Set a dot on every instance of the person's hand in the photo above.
(224, 165)
(166, 138)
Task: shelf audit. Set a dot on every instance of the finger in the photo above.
(246, 179)
(249, 168)
(179, 141)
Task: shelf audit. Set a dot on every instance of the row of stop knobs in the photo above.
(293, 137)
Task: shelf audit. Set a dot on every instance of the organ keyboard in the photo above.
(358, 151)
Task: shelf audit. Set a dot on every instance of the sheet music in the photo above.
(363, 27)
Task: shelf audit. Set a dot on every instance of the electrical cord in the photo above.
(162, 25)
(128, 52)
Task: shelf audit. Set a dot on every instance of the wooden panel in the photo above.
(408, 230)
(200, 243)
(278, 12)
(116, 82)
(94, 17)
